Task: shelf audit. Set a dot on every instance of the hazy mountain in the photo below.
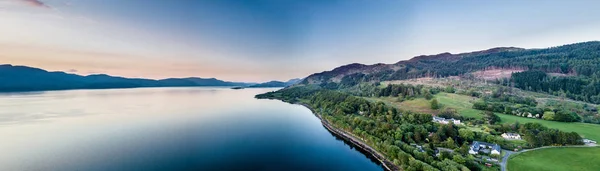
(277, 83)
(293, 81)
(23, 78)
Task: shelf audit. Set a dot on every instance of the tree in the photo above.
(549, 115)
(496, 156)
(445, 155)
(400, 99)
(449, 113)
(450, 89)
(490, 117)
(427, 94)
(466, 134)
(480, 105)
(450, 143)
(434, 104)
(566, 116)
(435, 138)
(464, 149)
(459, 159)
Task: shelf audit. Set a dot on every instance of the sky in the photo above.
(262, 40)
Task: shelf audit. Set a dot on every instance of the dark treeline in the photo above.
(578, 88)
(538, 135)
(501, 101)
(402, 90)
(581, 58)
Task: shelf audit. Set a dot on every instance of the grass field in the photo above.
(591, 131)
(461, 103)
(420, 105)
(464, 106)
(572, 158)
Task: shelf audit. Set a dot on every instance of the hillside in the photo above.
(501, 90)
(577, 67)
(23, 78)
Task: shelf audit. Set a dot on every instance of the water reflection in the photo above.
(28, 107)
(166, 129)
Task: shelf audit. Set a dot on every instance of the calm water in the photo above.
(166, 129)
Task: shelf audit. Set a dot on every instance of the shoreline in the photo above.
(348, 137)
(121, 88)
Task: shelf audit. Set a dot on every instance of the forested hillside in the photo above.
(390, 106)
(575, 69)
(582, 87)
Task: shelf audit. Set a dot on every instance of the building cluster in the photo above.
(483, 147)
(446, 121)
(511, 136)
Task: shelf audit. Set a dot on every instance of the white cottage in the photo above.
(512, 136)
(446, 121)
(477, 146)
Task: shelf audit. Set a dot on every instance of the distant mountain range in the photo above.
(277, 83)
(23, 78)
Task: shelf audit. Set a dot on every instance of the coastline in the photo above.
(117, 88)
(348, 137)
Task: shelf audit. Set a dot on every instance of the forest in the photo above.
(396, 133)
(578, 88)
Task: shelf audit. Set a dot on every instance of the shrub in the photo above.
(435, 104)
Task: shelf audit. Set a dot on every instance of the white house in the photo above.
(446, 121)
(477, 146)
(588, 141)
(455, 121)
(496, 149)
(513, 136)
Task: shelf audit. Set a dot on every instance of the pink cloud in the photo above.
(36, 3)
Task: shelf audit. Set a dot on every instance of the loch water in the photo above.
(156, 129)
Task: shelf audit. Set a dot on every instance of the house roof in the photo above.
(435, 118)
(438, 118)
(497, 147)
(477, 145)
(511, 134)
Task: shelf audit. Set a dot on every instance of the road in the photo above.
(507, 154)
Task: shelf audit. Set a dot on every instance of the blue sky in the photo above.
(260, 40)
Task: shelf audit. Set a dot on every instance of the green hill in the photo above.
(579, 61)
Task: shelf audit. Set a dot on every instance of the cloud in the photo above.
(36, 3)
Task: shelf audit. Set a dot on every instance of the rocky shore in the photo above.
(348, 137)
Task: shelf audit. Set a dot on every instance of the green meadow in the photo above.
(591, 131)
(463, 104)
(550, 159)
